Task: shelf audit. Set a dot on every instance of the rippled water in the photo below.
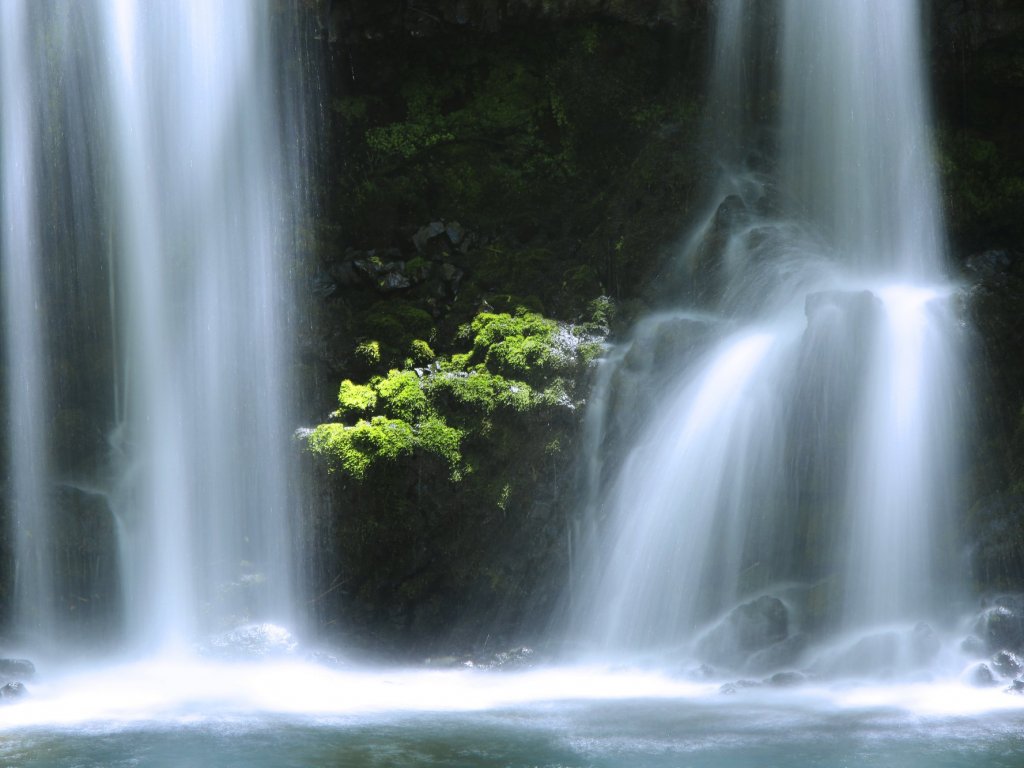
(199, 714)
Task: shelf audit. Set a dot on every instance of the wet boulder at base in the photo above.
(747, 629)
(12, 691)
(16, 669)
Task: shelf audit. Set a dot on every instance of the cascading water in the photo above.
(21, 261)
(792, 449)
(795, 464)
(151, 135)
(201, 248)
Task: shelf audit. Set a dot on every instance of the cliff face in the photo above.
(528, 156)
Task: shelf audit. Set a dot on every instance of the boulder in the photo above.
(786, 679)
(1001, 625)
(16, 669)
(1007, 664)
(980, 676)
(748, 628)
(784, 653)
(14, 690)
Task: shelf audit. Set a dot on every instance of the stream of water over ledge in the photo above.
(767, 570)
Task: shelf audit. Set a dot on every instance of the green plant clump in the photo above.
(435, 412)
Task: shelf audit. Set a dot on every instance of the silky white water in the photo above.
(21, 263)
(200, 250)
(156, 137)
(795, 451)
(787, 436)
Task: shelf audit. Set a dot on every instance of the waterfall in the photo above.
(24, 338)
(156, 137)
(777, 470)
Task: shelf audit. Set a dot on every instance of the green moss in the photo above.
(481, 391)
(396, 323)
(436, 437)
(401, 395)
(467, 400)
(354, 449)
(354, 399)
(368, 353)
(420, 352)
(513, 345)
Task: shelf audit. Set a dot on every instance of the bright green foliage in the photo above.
(472, 398)
(482, 391)
(401, 395)
(514, 345)
(355, 448)
(434, 435)
(355, 399)
(420, 352)
(369, 353)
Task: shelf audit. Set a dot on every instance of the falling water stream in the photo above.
(152, 133)
(781, 446)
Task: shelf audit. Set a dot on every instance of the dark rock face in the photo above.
(380, 19)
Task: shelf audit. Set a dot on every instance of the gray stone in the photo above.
(748, 628)
(16, 668)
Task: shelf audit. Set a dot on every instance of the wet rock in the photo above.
(455, 232)
(1001, 625)
(749, 628)
(425, 234)
(513, 658)
(16, 668)
(1017, 686)
(322, 286)
(990, 266)
(973, 645)
(14, 690)
(394, 281)
(785, 653)
(979, 676)
(729, 689)
(252, 641)
(709, 266)
(343, 274)
(1007, 664)
(786, 680)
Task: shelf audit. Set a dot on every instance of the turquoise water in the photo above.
(633, 733)
(300, 715)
